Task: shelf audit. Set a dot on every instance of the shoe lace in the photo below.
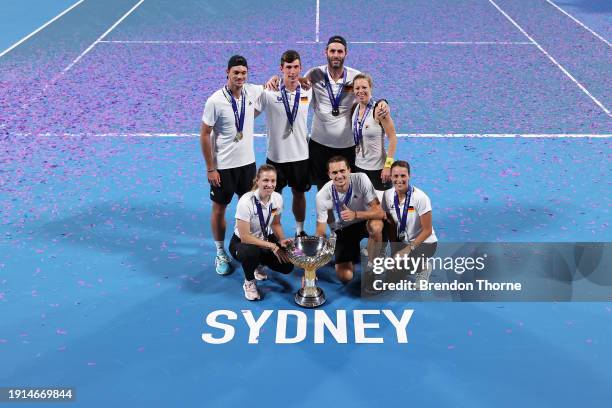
(223, 258)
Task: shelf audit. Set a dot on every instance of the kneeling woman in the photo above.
(409, 211)
(258, 236)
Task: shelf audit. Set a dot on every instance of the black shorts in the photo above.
(374, 176)
(347, 242)
(319, 155)
(292, 174)
(237, 180)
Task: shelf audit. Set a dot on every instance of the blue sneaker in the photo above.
(223, 265)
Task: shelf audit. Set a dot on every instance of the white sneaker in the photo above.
(260, 273)
(250, 290)
(422, 276)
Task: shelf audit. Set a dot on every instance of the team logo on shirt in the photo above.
(410, 208)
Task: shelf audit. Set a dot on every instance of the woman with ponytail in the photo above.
(258, 236)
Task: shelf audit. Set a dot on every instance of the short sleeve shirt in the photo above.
(329, 130)
(218, 113)
(246, 210)
(419, 205)
(362, 195)
(284, 144)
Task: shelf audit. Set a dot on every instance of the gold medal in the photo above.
(238, 137)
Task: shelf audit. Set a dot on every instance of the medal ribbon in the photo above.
(358, 126)
(291, 114)
(334, 100)
(336, 199)
(403, 217)
(238, 118)
(263, 223)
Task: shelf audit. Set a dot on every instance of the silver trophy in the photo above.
(310, 253)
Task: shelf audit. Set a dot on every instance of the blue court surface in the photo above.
(106, 255)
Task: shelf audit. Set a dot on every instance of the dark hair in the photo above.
(401, 163)
(337, 39)
(338, 159)
(237, 60)
(290, 56)
(261, 169)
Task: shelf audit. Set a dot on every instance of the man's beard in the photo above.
(331, 62)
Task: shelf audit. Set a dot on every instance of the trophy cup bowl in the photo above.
(310, 253)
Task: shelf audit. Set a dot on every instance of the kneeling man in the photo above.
(352, 199)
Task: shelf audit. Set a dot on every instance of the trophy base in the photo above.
(310, 301)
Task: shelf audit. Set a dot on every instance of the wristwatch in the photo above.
(412, 246)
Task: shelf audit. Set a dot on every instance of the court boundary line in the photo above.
(203, 42)
(580, 23)
(552, 59)
(107, 32)
(400, 135)
(57, 77)
(317, 24)
(42, 27)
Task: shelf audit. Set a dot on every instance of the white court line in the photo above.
(410, 135)
(26, 105)
(77, 59)
(165, 42)
(196, 42)
(447, 42)
(554, 61)
(317, 24)
(579, 23)
(24, 39)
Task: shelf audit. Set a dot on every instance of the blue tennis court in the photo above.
(502, 107)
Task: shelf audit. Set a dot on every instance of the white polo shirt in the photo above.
(285, 146)
(329, 130)
(246, 210)
(419, 205)
(218, 114)
(370, 154)
(362, 195)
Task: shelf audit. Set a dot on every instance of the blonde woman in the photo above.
(369, 130)
(258, 235)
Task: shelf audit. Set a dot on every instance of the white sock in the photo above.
(219, 245)
(299, 226)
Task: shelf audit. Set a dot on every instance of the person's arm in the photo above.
(392, 230)
(206, 144)
(320, 205)
(244, 228)
(273, 83)
(277, 229)
(426, 229)
(321, 228)
(260, 100)
(382, 110)
(389, 128)
(374, 212)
